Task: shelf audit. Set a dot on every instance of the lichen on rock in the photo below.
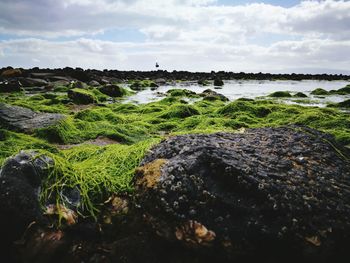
(268, 191)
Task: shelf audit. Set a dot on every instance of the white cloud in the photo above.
(182, 34)
(89, 53)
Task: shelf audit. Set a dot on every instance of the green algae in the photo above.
(11, 143)
(99, 171)
(96, 171)
(319, 92)
(280, 94)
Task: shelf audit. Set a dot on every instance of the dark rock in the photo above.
(203, 82)
(94, 83)
(80, 96)
(10, 86)
(280, 94)
(154, 85)
(218, 82)
(79, 85)
(20, 180)
(113, 90)
(278, 194)
(59, 78)
(80, 74)
(42, 75)
(160, 81)
(300, 95)
(137, 86)
(25, 120)
(31, 82)
(319, 92)
(211, 95)
(11, 73)
(344, 104)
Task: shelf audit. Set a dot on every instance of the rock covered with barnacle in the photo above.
(273, 192)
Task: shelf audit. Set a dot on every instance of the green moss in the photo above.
(180, 111)
(319, 92)
(300, 95)
(98, 172)
(280, 94)
(182, 93)
(343, 104)
(137, 127)
(342, 91)
(11, 143)
(236, 108)
(142, 84)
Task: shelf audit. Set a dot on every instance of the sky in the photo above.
(195, 35)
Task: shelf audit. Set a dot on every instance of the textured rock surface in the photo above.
(25, 120)
(79, 96)
(112, 90)
(20, 179)
(277, 193)
(212, 95)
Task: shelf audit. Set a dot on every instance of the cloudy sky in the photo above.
(195, 35)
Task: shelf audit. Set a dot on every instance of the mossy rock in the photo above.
(218, 82)
(342, 91)
(203, 82)
(181, 93)
(113, 90)
(300, 95)
(81, 96)
(344, 104)
(319, 92)
(236, 108)
(280, 94)
(139, 85)
(180, 111)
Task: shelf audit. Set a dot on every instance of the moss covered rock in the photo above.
(113, 90)
(81, 96)
(280, 94)
(300, 95)
(319, 92)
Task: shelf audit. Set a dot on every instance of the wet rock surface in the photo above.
(79, 96)
(25, 120)
(211, 95)
(20, 179)
(270, 193)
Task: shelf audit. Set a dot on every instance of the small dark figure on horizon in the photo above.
(157, 65)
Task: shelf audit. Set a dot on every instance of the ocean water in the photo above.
(234, 89)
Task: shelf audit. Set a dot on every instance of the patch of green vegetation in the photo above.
(86, 96)
(343, 104)
(11, 143)
(180, 111)
(89, 125)
(47, 102)
(142, 84)
(237, 108)
(319, 92)
(96, 171)
(342, 91)
(280, 94)
(182, 93)
(300, 95)
(99, 171)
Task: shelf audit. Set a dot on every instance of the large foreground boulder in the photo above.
(270, 194)
(25, 120)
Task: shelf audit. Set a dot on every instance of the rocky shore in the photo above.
(194, 177)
